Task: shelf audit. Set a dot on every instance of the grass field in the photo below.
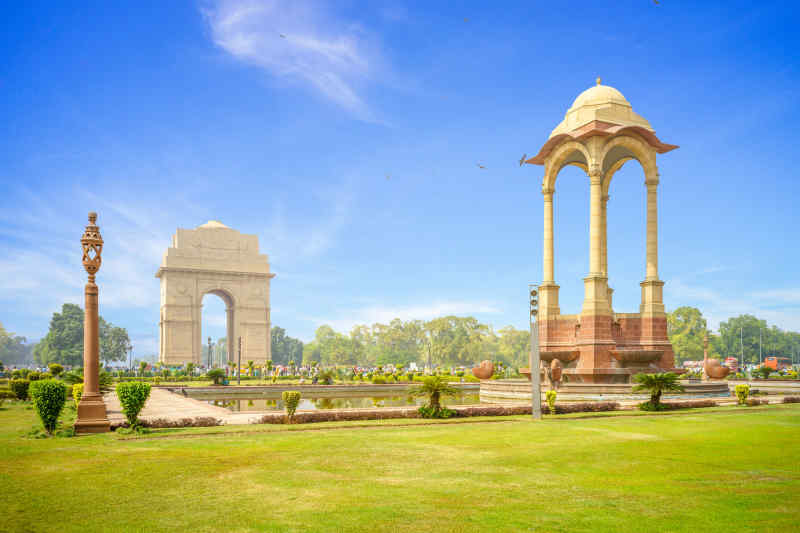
(733, 469)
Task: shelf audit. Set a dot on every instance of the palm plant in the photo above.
(251, 368)
(656, 384)
(142, 367)
(434, 387)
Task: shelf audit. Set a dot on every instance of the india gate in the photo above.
(214, 259)
(599, 134)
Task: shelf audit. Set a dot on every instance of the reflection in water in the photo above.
(321, 403)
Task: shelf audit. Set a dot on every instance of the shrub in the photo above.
(45, 375)
(48, 397)
(20, 388)
(750, 402)
(157, 380)
(742, 391)
(77, 393)
(326, 377)
(763, 372)
(688, 404)
(34, 375)
(379, 380)
(291, 399)
(656, 385)
(427, 411)
(132, 396)
(550, 396)
(791, 399)
(217, 375)
(434, 387)
(6, 394)
(56, 369)
(197, 422)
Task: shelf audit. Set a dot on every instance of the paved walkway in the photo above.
(163, 404)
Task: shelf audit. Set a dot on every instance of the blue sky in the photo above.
(164, 115)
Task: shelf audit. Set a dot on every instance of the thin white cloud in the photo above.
(299, 41)
(383, 315)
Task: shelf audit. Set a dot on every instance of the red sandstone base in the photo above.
(607, 348)
(92, 416)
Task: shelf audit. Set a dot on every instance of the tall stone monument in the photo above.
(92, 417)
(214, 259)
(599, 134)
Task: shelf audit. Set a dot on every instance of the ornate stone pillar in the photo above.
(604, 247)
(548, 291)
(652, 299)
(92, 417)
(596, 294)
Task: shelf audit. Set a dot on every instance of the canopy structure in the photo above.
(599, 134)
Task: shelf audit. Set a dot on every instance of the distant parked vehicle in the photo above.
(778, 363)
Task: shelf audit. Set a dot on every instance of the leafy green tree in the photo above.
(13, 348)
(63, 343)
(284, 348)
(686, 328)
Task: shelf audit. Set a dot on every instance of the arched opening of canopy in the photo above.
(568, 154)
(571, 218)
(624, 246)
(216, 328)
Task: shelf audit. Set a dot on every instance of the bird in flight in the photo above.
(480, 166)
(282, 36)
(655, 2)
(466, 19)
(522, 159)
(388, 176)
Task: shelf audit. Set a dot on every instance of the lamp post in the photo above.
(210, 346)
(92, 417)
(130, 357)
(239, 365)
(536, 385)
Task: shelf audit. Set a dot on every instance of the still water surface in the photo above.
(262, 403)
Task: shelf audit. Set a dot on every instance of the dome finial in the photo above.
(598, 80)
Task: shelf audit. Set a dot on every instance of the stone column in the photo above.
(548, 291)
(652, 293)
(604, 247)
(547, 267)
(595, 299)
(595, 225)
(652, 230)
(604, 236)
(92, 417)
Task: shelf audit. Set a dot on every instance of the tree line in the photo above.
(443, 341)
(743, 334)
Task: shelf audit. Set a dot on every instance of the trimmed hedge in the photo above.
(132, 396)
(291, 399)
(77, 393)
(20, 388)
(791, 399)
(49, 396)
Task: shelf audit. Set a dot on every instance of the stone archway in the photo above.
(214, 259)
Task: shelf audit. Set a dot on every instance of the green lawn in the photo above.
(733, 469)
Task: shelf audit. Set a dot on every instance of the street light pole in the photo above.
(130, 357)
(209, 352)
(239, 365)
(536, 385)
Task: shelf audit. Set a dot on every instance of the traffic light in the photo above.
(534, 301)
